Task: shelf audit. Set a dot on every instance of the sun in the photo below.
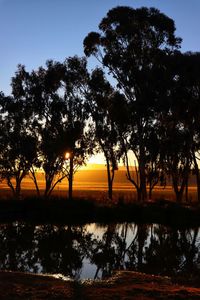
(67, 155)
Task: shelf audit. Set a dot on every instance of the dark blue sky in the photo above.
(32, 31)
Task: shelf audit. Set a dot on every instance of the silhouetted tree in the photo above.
(37, 89)
(179, 121)
(56, 96)
(131, 44)
(18, 146)
(187, 103)
(74, 87)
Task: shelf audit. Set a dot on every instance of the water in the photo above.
(94, 251)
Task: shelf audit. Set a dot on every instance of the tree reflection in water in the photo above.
(44, 248)
(65, 249)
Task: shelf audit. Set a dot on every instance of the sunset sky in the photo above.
(32, 31)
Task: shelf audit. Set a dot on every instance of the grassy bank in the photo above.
(86, 211)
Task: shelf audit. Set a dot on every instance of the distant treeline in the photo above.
(143, 98)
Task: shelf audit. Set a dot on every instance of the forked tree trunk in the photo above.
(34, 178)
(16, 190)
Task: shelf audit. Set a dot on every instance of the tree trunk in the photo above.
(70, 179)
(152, 183)
(142, 172)
(197, 173)
(186, 192)
(179, 191)
(179, 196)
(19, 177)
(48, 186)
(143, 187)
(139, 194)
(150, 191)
(110, 178)
(131, 178)
(18, 188)
(9, 183)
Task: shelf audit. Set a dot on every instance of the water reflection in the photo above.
(94, 251)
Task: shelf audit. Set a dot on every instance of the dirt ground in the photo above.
(124, 285)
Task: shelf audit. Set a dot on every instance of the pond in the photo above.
(94, 250)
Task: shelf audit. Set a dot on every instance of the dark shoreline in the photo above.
(81, 211)
(123, 285)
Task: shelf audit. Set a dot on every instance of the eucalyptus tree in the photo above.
(66, 119)
(74, 86)
(18, 146)
(177, 141)
(188, 94)
(50, 109)
(180, 121)
(36, 90)
(55, 94)
(131, 44)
